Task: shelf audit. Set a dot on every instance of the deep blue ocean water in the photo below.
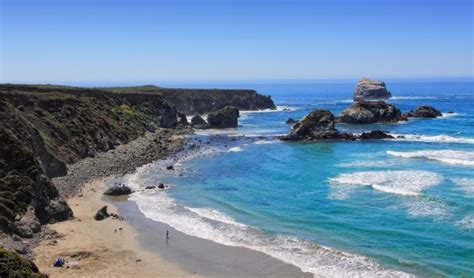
(340, 209)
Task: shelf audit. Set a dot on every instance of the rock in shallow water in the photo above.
(226, 117)
(198, 122)
(375, 134)
(101, 214)
(367, 89)
(118, 191)
(317, 125)
(369, 113)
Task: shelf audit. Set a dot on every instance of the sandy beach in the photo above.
(107, 248)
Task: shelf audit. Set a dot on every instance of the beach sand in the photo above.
(99, 248)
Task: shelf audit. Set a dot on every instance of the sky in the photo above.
(53, 41)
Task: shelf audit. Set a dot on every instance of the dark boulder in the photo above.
(101, 214)
(291, 121)
(118, 191)
(369, 113)
(198, 122)
(367, 89)
(375, 134)
(150, 187)
(161, 186)
(424, 112)
(58, 210)
(226, 117)
(317, 125)
(182, 120)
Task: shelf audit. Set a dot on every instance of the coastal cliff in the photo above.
(44, 128)
(201, 101)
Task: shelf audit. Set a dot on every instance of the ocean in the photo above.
(391, 208)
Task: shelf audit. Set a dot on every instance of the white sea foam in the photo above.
(368, 163)
(433, 139)
(235, 149)
(467, 222)
(446, 156)
(411, 97)
(213, 225)
(264, 142)
(466, 184)
(404, 182)
(278, 109)
(423, 206)
(450, 115)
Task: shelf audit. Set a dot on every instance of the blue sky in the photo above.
(103, 40)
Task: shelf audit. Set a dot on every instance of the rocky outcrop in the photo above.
(369, 113)
(317, 125)
(198, 122)
(424, 112)
(226, 117)
(291, 121)
(367, 89)
(375, 134)
(118, 190)
(182, 120)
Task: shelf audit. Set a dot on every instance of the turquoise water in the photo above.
(362, 208)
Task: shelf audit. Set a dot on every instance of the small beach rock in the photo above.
(161, 186)
(375, 134)
(101, 214)
(118, 191)
(226, 117)
(170, 167)
(368, 89)
(424, 112)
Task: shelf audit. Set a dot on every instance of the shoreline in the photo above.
(94, 248)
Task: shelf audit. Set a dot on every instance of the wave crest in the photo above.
(453, 157)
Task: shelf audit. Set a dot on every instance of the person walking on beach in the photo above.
(167, 235)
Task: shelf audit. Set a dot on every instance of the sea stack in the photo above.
(368, 90)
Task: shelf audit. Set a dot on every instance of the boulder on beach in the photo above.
(28, 225)
(198, 122)
(370, 112)
(375, 134)
(368, 89)
(118, 191)
(226, 117)
(424, 112)
(101, 214)
(317, 125)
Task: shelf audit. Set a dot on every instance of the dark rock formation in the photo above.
(182, 120)
(367, 89)
(118, 191)
(28, 225)
(317, 125)
(424, 112)
(161, 186)
(101, 214)
(226, 117)
(369, 113)
(375, 134)
(198, 122)
(291, 121)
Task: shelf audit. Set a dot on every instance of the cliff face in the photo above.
(200, 101)
(42, 129)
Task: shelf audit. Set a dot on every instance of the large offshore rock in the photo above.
(317, 125)
(424, 112)
(226, 117)
(369, 113)
(198, 122)
(368, 89)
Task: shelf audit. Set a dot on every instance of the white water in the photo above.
(433, 139)
(213, 225)
(406, 183)
(453, 157)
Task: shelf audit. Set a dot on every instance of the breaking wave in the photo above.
(446, 156)
(433, 139)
